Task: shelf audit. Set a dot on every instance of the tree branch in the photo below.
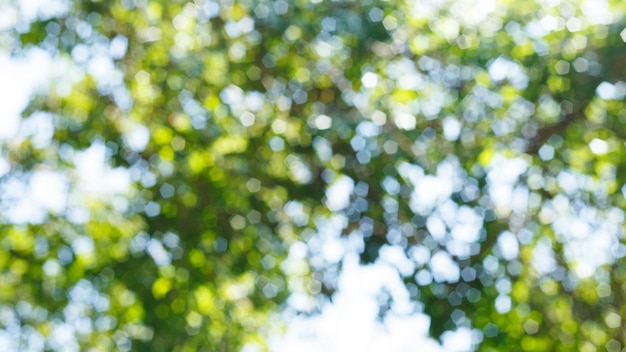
(543, 134)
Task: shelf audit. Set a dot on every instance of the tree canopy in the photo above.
(186, 169)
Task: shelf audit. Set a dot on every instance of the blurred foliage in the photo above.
(483, 138)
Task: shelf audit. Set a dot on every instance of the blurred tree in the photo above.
(202, 140)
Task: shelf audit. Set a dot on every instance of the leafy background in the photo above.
(199, 175)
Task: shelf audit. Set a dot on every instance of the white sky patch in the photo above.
(457, 341)
(599, 146)
(8, 16)
(118, 46)
(503, 304)
(232, 95)
(39, 127)
(444, 268)
(597, 12)
(411, 172)
(158, 253)
(333, 250)
(17, 206)
(369, 80)
(31, 201)
(472, 12)
(468, 225)
(323, 49)
(30, 10)
(96, 176)
(430, 191)
(502, 177)
(296, 211)
(83, 245)
(368, 129)
(236, 29)
(322, 122)
(103, 70)
(405, 73)
(508, 245)
(395, 256)
(405, 120)
(48, 189)
(338, 193)
(5, 167)
(350, 322)
(451, 128)
(606, 91)
(419, 254)
(465, 230)
(498, 69)
(63, 337)
(137, 139)
(570, 182)
(591, 237)
(254, 101)
(328, 246)
(543, 257)
(20, 79)
(502, 68)
(436, 227)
